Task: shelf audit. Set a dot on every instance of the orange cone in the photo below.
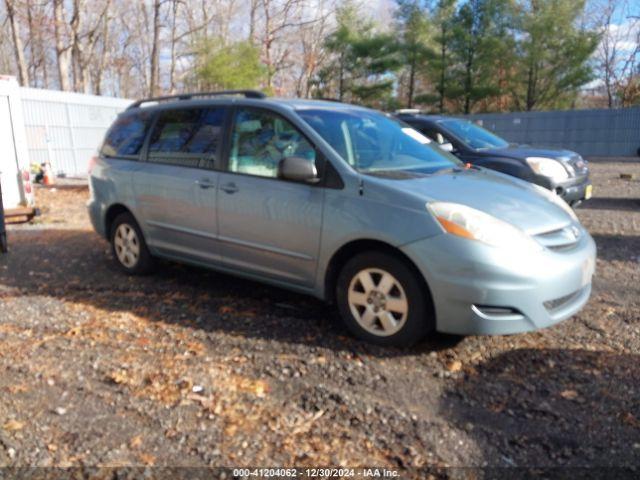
(48, 177)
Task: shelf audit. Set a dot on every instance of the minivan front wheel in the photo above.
(382, 300)
(128, 246)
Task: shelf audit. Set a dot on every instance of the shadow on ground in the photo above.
(610, 203)
(618, 247)
(574, 408)
(76, 266)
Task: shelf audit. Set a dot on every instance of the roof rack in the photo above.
(408, 111)
(189, 96)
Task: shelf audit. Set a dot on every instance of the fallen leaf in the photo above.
(136, 441)
(13, 425)
(147, 459)
(630, 419)
(18, 389)
(454, 366)
(569, 394)
(118, 377)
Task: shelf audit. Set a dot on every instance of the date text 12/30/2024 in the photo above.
(315, 473)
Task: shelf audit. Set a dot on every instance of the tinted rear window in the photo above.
(188, 137)
(126, 136)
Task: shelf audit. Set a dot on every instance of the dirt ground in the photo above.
(193, 368)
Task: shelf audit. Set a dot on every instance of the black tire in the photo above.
(145, 262)
(420, 318)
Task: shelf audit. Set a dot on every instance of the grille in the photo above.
(560, 239)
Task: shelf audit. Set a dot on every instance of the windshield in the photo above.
(472, 135)
(372, 142)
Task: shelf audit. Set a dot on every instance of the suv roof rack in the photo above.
(189, 96)
(408, 111)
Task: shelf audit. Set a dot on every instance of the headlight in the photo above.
(555, 199)
(467, 222)
(548, 168)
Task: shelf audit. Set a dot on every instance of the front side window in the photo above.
(372, 142)
(261, 139)
(126, 137)
(189, 137)
(473, 135)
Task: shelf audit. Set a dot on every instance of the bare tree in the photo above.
(312, 53)
(63, 48)
(619, 52)
(278, 19)
(18, 47)
(155, 50)
(83, 42)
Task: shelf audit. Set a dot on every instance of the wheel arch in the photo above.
(112, 213)
(354, 247)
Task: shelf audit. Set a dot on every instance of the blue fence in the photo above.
(601, 133)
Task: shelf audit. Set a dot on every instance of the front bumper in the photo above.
(572, 191)
(478, 289)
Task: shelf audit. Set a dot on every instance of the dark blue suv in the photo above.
(561, 171)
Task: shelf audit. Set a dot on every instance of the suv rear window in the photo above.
(126, 137)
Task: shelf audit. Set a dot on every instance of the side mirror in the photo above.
(447, 147)
(298, 169)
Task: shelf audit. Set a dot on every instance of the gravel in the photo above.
(193, 368)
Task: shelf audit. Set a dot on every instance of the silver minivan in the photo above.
(340, 202)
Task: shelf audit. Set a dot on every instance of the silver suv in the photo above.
(340, 202)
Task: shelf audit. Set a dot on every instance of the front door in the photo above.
(268, 226)
(176, 187)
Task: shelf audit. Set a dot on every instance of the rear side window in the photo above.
(126, 137)
(188, 137)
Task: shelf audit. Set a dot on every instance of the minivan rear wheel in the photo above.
(382, 300)
(129, 247)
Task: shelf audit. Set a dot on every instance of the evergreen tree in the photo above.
(482, 46)
(235, 66)
(414, 49)
(553, 54)
(442, 25)
(363, 60)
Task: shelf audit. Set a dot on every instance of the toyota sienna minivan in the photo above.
(340, 202)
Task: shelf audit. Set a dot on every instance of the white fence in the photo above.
(66, 128)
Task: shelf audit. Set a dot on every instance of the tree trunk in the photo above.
(18, 48)
(62, 50)
(531, 89)
(155, 51)
(172, 69)
(252, 21)
(341, 78)
(97, 82)
(468, 83)
(443, 59)
(412, 81)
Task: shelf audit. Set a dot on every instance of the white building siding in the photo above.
(65, 127)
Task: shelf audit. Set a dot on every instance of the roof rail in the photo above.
(189, 96)
(408, 111)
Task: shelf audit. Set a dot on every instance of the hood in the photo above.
(506, 198)
(521, 152)
(524, 151)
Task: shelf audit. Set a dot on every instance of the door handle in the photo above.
(229, 188)
(205, 183)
